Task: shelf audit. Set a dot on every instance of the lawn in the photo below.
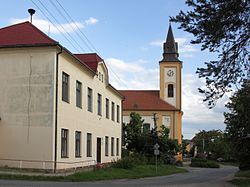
(244, 181)
(105, 174)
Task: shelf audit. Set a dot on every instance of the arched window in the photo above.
(170, 90)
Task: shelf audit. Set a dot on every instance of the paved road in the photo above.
(196, 177)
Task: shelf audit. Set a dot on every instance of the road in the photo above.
(196, 177)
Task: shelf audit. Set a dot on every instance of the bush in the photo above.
(124, 163)
(204, 163)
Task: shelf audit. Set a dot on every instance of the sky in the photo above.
(129, 36)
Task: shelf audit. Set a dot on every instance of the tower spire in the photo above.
(170, 47)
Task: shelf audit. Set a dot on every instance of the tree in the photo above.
(140, 141)
(223, 27)
(214, 144)
(238, 124)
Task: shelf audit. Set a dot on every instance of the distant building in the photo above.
(164, 103)
(57, 109)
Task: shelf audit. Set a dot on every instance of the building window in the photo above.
(117, 147)
(99, 76)
(146, 128)
(102, 77)
(107, 108)
(64, 143)
(77, 144)
(89, 145)
(99, 104)
(113, 111)
(112, 146)
(118, 114)
(106, 146)
(78, 94)
(170, 90)
(65, 87)
(90, 99)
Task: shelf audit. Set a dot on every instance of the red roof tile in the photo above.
(90, 59)
(144, 100)
(23, 34)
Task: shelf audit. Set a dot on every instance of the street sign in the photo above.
(156, 146)
(156, 152)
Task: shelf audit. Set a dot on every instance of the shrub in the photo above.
(124, 163)
(204, 163)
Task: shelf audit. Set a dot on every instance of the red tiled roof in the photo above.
(144, 100)
(90, 59)
(24, 34)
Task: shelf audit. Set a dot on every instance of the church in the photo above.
(160, 107)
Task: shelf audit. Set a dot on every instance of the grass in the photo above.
(105, 174)
(242, 182)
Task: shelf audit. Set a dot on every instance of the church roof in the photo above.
(137, 100)
(24, 34)
(90, 59)
(170, 48)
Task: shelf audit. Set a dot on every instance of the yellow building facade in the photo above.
(165, 103)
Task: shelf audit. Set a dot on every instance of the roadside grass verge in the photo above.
(243, 180)
(105, 174)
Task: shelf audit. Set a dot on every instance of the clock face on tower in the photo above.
(170, 73)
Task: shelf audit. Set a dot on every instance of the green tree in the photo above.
(238, 124)
(214, 143)
(140, 141)
(223, 27)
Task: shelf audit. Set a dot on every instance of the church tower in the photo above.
(170, 72)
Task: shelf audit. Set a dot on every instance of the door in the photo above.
(98, 150)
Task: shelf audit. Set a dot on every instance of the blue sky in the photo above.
(128, 35)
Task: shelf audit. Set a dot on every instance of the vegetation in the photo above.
(105, 174)
(214, 144)
(244, 181)
(221, 27)
(204, 163)
(238, 125)
(140, 140)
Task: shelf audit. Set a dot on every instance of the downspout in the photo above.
(56, 107)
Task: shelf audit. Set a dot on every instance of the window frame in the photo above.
(107, 108)
(118, 113)
(78, 94)
(64, 143)
(78, 144)
(65, 87)
(99, 104)
(171, 90)
(106, 146)
(112, 146)
(90, 100)
(117, 147)
(113, 111)
(89, 145)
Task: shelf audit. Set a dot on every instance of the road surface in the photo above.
(196, 177)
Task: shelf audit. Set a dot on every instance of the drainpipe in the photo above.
(56, 107)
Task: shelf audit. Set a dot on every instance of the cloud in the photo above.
(158, 43)
(132, 75)
(48, 27)
(91, 21)
(197, 116)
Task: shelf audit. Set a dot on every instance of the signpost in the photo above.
(156, 152)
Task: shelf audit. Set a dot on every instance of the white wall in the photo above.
(80, 119)
(26, 105)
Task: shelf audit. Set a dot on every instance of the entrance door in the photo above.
(98, 150)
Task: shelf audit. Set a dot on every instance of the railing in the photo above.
(45, 164)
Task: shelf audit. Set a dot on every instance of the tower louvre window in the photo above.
(170, 90)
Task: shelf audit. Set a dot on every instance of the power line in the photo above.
(55, 26)
(60, 25)
(93, 47)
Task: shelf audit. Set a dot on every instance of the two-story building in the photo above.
(57, 109)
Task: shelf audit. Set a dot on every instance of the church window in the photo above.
(170, 90)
